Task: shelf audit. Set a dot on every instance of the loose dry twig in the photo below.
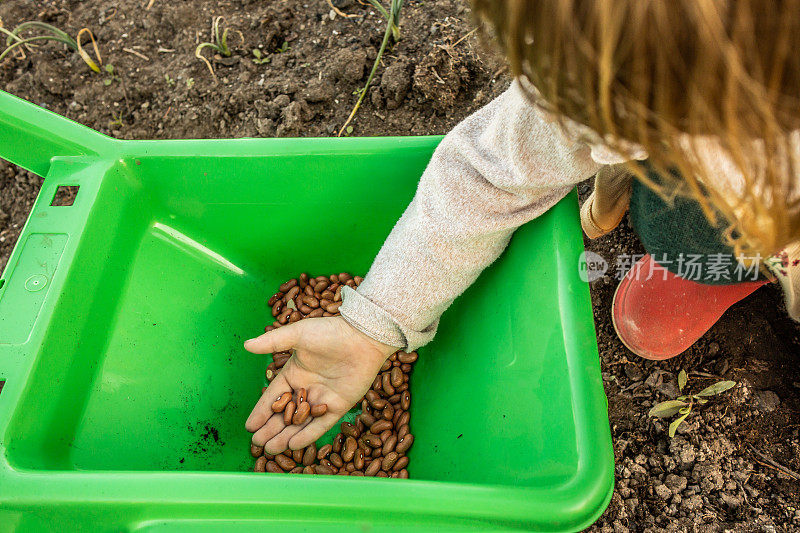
(150, 4)
(770, 462)
(137, 54)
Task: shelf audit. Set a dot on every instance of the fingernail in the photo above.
(248, 342)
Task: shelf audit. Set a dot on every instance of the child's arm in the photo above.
(499, 168)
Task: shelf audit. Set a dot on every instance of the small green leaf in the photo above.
(109, 68)
(349, 130)
(107, 82)
(666, 409)
(717, 388)
(682, 379)
(685, 410)
(675, 423)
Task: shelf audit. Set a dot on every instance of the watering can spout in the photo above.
(31, 136)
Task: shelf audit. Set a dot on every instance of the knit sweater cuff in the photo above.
(375, 322)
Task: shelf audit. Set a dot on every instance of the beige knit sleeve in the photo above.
(501, 167)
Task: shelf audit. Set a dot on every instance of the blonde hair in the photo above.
(659, 72)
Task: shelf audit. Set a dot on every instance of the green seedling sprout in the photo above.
(170, 81)
(111, 75)
(682, 405)
(219, 44)
(259, 58)
(50, 33)
(392, 31)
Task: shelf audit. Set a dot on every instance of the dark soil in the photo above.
(730, 468)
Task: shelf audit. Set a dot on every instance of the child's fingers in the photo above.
(263, 409)
(313, 431)
(269, 431)
(282, 339)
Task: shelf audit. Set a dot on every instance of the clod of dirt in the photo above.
(442, 76)
(395, 84)
(347, 65)
(319, 90)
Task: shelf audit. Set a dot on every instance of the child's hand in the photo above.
(333, 361)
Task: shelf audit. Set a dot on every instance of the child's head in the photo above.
(655, 72)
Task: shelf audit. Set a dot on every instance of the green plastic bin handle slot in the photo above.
(31, 136)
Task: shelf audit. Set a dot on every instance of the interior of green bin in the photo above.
(142, 366)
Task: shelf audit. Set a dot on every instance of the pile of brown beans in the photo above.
(376, 445)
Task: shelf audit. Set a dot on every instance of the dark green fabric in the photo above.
(678, 236)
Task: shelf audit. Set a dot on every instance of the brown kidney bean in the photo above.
(325, 303)
(326, 462)
(337, 460)
(297, 455)
(388, 412)
(357, 473)
(389, 460)
(280, 358)
(405, 400)
(376, 384)
(273, 467)
(301, 395)
(386, 382)
(396, 364)
(349, 449)
(288, 285)
(358, 460)
(302, 280)
(319, 409)
(367, 419)
(386, 365)
(261, 464)
(295, 316)
(403, 431)
(327, 295)
(327, 314)
(285, 462)
(333, 307)
(403, 473)
(268, 329)
(397, 414)
(296, 470)
(404, 418)
(395, 475)
(407, 358)
(303, 410)
(359, 425)
(396, 377)
(373, 441)
(309, 455)
(309, 469)
(349, 467)
(350, 283)
(274, 298)
(256, 451)
(321, 286)
(306, 310)
(402, 387)
(337, 296)
(381, 473)
(324, 470)
(394, 398)
(308, 290)
(376, 452)
(379, 426)
(405, 443)
(393, 357)
(373, 468)
(389, 445)
(358, 280)
(316, 313)
(385, 435)
(288, 413)
(405, 367)
(350, 430)
(293, 292)
(323, 452)
(311, 301)
(344, 276)
(276, 308)
(401, 463)
(338, 442)
(283, 316)
(287, 453)
(280, 404)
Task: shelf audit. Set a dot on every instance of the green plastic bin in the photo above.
(122, 318)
